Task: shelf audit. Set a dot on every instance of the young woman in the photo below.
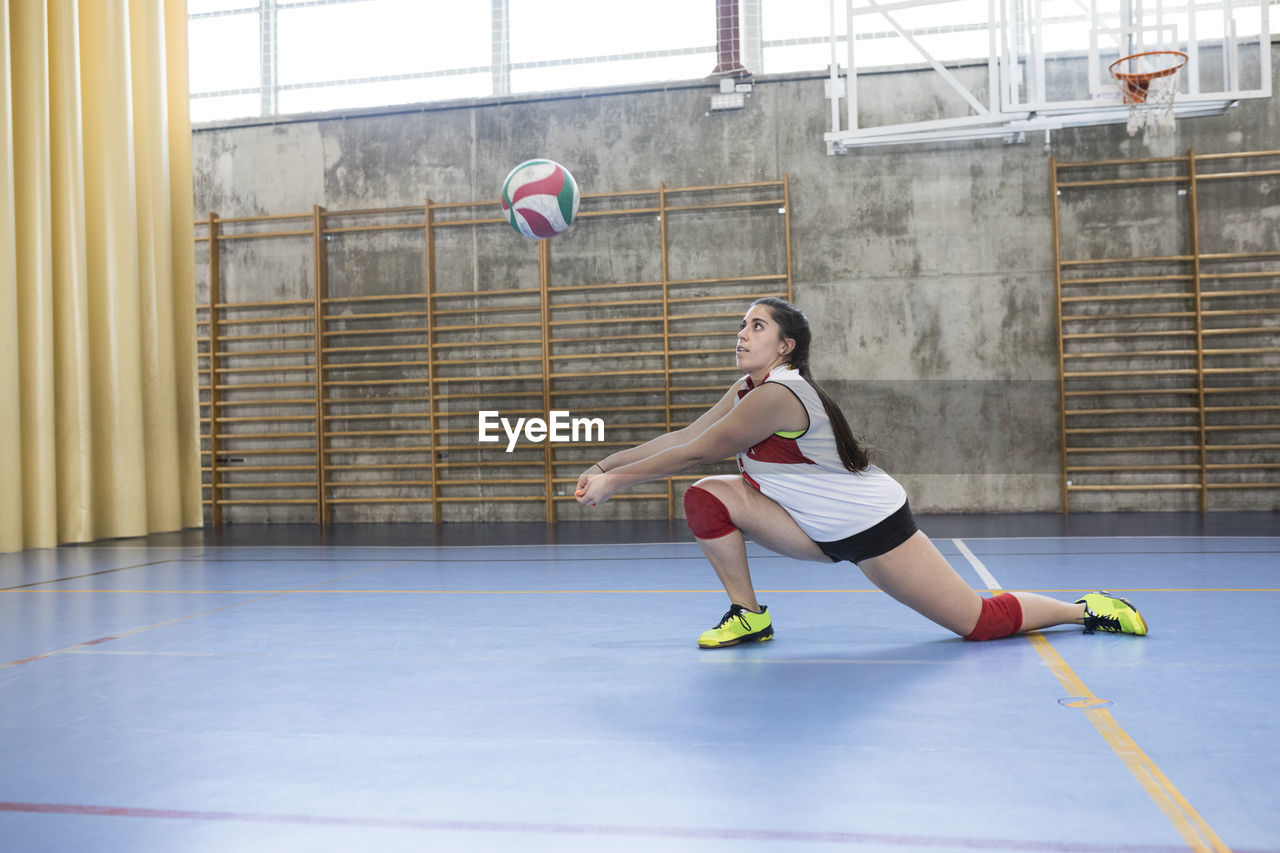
(807, 490)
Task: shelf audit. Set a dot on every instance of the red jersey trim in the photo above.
(779, 450)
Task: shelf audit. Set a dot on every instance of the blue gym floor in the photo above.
(408, 689)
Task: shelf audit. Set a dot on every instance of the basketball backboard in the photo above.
(1045, 65)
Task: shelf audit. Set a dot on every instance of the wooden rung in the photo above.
(253, 306)
(384, 416)
(1154, 448)
(524, 481)
(1243, 389)
(252, 321)
(1241, 427)
(384, 297)
(261, 436)
(1242, 330)
(245, 386)
(400, 499)
(495, 309)
(507, 377)
(1134, 411)
(264, 501)
(1134, 487)
(1242, 350)
(380, 315)
(1124, 279)
(483, 294)
(578, 288)
(1240, 370)
(380, 348)
(1275, 485)
(272, 368)
(478, 327)
(1126, 297)
(1108, 335)
(280, 451)
(1080, 374)
(375, 484)
(524, 342)
(261, 468)
(595, 392)
(263, 402)
(281, 485)
(350, 450)
(476, 361)
(726, 369)
(286, 336)
(1244, 466)
(1121, 430)
(422, 466)
(610, 356)
(264, 419)
(372, 364)
(257, 353)
(330, 434)
(496, 498)
(386, 330)
(369, 401)
(1130, 468)
(1242, 408)
(1132, 354)
(628, 496)
(1225, 294)
(361, 383)
(1153, 315)
(1242, 312)
(527, 463)
(1114, 392)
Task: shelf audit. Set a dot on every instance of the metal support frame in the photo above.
(1016, 51)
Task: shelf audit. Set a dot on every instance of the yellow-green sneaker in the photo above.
(1106, 612)
(739, 625)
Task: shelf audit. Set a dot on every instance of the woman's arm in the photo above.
(766, 410)
(664, 441)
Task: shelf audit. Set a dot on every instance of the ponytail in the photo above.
(795, 325)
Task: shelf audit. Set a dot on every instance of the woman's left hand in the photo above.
(597, 490)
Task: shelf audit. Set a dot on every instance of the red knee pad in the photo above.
(706, 514)
(1001, 616)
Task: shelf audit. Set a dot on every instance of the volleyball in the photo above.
(540, 199)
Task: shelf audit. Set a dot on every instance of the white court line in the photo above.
(986, 576)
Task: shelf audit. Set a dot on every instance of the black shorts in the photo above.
(880, 538)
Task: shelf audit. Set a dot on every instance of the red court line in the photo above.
(613, 830)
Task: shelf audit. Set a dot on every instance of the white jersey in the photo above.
(802, 471)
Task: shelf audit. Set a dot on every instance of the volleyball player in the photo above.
(807, 490)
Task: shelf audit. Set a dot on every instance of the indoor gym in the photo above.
(266, 583)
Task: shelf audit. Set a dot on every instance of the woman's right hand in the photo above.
(587, 476)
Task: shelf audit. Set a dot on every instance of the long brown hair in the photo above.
(793, 324)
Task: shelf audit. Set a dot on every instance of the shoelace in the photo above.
(735, 612)
(1094, 622)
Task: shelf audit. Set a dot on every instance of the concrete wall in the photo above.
(927, 270)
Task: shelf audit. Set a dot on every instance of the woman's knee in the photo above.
(705, 509)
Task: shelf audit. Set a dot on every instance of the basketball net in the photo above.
(1149, 85)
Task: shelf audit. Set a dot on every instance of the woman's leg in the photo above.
(916, 574)
(765, 522)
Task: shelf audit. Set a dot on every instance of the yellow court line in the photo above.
(1190, 825)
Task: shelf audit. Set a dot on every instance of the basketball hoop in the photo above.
(1148, 87)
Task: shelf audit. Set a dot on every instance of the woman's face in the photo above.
(760, 342)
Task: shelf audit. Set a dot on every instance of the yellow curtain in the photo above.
(99, 430)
